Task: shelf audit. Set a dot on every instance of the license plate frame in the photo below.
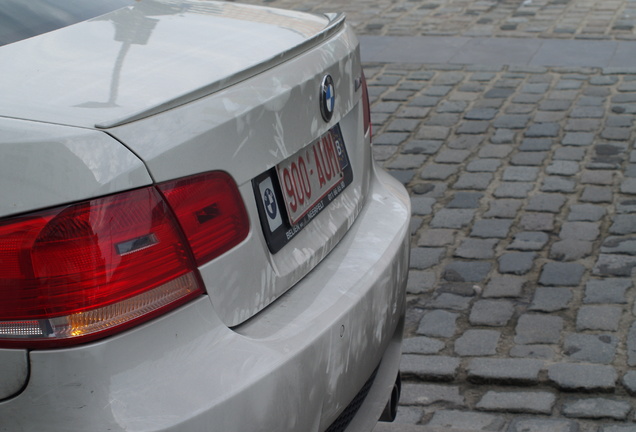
(312, 174)
(278, 228)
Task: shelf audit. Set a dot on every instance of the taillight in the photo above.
(78, 273)
(366, 107)
(211, 212)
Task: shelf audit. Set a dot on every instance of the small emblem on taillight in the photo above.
(327, 98)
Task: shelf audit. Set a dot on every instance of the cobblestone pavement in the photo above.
(585, 19)
(523, 185)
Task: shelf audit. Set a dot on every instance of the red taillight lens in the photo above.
(81, 272)
(366, 107)
(211, 212)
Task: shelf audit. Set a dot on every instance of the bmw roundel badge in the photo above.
(327, 98)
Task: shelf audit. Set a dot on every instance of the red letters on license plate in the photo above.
(308, 176)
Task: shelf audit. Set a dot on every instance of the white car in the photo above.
(193, 233)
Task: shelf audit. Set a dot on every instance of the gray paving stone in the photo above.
(438, 171)
(587, 112)
(452, 156)
(492, 313)
(544, 352)
(437, 237)
(563, 168)
(450, 301)
(529, 241)
(558, 184)
(432, 132)
(631, 345)
(569, 153)
(583, 377)
(504, 286)
(474, 181)
(550, 299)
(598, 177)
(578, 139)
(597, 194)
(614, 265)
(513, 190)
(427, 147)
(423, 258)
(438, 323)
(626, 206)
(520, 174)
(531, 402)
(620, 245)
(405, 162)
(402, 176)
(533, 424)
(420, 281)
(537, 222)
(481, 114)
(598, 317)
(467, 420)
(504, 371)
(472, 248)
(580, 231)
(511, 121)
(597, 408)
(429, 368)
(518, 263)
(503, 208)
(452, 218)
(422, 345)
(629, 382)
(561, 274)
(491, 228)
(543, 202)
(536, 144)
(430, 394)
(570, 250)
(483, 165)
(538, 329)
(586, 212)
(529, 158)
(503, 136)
(615, 428)
(466, 142)
(448, 120)
(390, 138)
(460, 271)
(590, 348)
(475, 342)
(543, 130)
(624, 224)
(498, 151)
(422, 205)
(473, 127)
(609, 290)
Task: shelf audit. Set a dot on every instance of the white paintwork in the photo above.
(15, 369)
(288, 369)
(245, 130)
(281, 342)
(44, 165)
(125, 63)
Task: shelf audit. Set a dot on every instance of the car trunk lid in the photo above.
(141, 60)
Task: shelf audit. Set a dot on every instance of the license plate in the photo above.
(311, 174)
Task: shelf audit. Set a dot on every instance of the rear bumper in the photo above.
(293, 367)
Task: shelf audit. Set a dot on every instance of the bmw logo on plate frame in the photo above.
(327, 98)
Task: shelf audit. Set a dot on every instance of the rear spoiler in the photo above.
(336, 23)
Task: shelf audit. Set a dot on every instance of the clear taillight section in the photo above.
(81, 272)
